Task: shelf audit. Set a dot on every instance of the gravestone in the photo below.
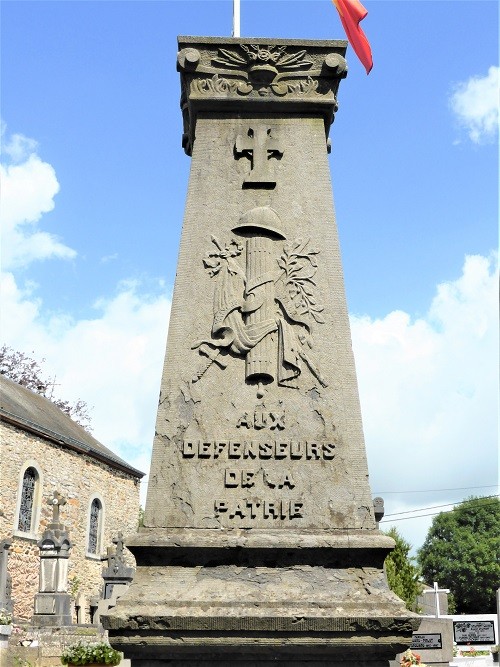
(433, 601)
(117, 577)
(433, 642)
(53, 602)
(117, 573)
(260, 541)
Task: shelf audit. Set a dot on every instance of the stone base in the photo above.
(52, 610)
(225, 597)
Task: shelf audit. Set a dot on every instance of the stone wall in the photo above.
(43, 647)
(79, 478)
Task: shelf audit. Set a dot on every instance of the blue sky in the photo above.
(91, 134)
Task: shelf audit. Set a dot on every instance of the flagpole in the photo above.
(236, 18)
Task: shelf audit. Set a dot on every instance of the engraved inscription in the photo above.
(292, 450)
(280, 480)
(234, 478)
(267, 509)
(262, 418)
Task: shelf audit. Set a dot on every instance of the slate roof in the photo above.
(36, 414)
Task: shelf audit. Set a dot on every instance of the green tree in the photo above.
(461, 552)
(402, 571)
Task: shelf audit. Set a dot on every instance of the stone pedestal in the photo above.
(260, 542)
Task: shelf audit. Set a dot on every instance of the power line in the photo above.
(433, 507)
(421, 516)
(463, 488)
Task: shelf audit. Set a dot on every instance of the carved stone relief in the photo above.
(265, 311)
(256, 73)
(259, 143)
(264, 69)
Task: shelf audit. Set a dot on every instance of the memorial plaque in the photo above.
(259, 534)
(474, 632)
(425, 641)
(45, 604)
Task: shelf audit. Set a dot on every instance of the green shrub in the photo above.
(86, 654)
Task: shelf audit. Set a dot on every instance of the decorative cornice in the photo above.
(238, 75)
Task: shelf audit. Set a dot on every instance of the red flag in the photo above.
(352, 13)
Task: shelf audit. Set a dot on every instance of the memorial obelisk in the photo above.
(260, 543)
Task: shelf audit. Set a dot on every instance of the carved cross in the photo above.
(57, 501)
(259, 144)
(118, 540)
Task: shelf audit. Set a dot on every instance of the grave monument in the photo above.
(53, 602)
(260, 541)
(117, 577)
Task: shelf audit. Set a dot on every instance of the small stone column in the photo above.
(5, 584)
(53, 602)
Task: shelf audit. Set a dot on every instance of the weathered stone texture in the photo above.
(183, 487)
(260, 541)
(77, 476)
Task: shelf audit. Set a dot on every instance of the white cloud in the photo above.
(428, 392)
(29, 186)
(109, 258)
(17, 146)
(475, 103)
(113, 361)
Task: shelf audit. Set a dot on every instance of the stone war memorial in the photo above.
(260, 542)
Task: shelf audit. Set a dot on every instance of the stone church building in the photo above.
(43, 450)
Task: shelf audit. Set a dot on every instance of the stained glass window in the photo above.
(27, 500)
(94, 527)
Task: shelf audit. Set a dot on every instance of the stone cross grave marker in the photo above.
(436, 591)
(53, 602)
(56, 501)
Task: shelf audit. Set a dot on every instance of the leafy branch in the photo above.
(214, 260)
(299, 266)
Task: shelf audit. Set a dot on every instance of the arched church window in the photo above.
(95, 526)
(28, 495)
